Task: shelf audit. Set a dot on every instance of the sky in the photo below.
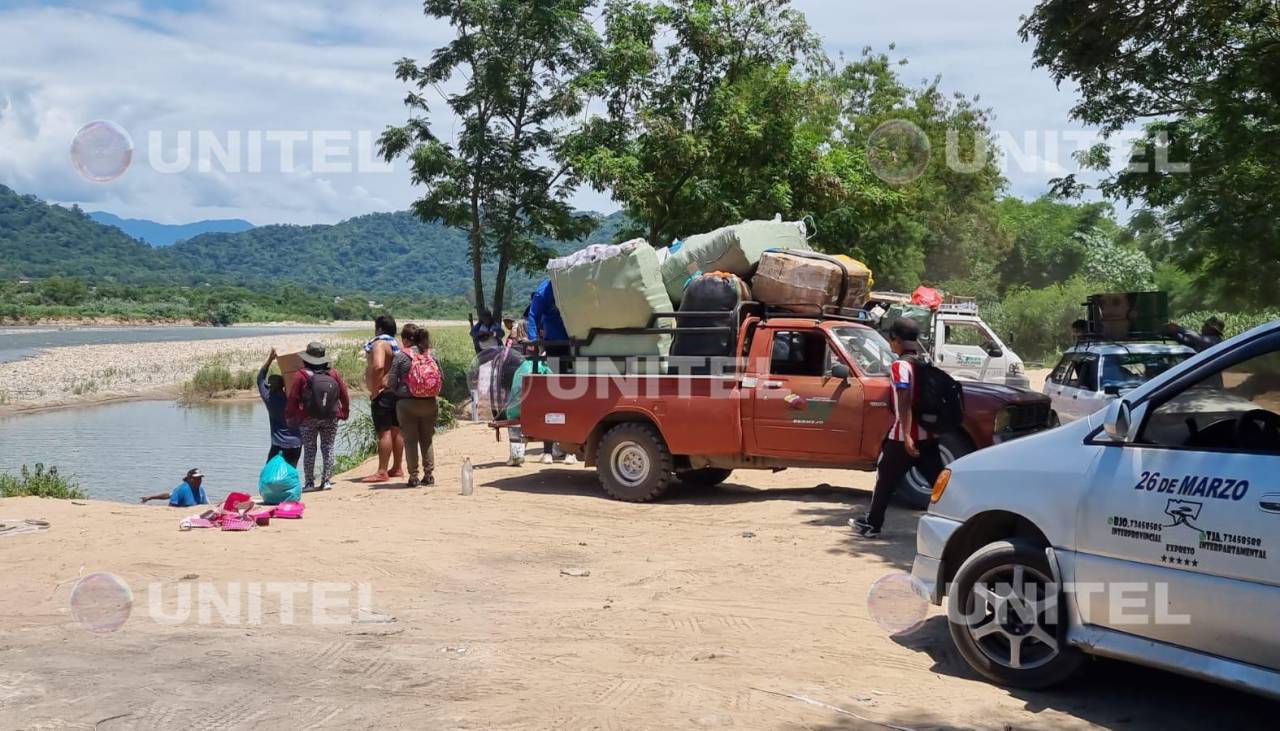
(267, 110)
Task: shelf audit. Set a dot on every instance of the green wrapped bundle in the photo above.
(623, 290)
(732, 249)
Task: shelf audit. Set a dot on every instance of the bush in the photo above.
(40, 483)
(215, 378)
(1036, 323)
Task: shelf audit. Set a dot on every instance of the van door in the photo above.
(961, 350)
(1077, 394)
(1186, 519)
(800, 409)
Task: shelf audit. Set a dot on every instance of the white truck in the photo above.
(957, 339)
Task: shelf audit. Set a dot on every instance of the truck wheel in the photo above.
(634, 463)
(705, 477)
(1006, 617)
(915, 491)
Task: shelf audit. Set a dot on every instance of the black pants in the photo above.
(291, 454)
(894, 465)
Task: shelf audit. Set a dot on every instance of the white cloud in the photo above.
(235, 66)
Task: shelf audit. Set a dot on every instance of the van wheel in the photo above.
(915, 491)
(1007, 618)
(705, 477)
(634, 463)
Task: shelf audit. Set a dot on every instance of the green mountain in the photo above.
(385, 253)
(164, 234)
(39, 240)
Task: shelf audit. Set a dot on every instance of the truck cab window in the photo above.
(799, 353)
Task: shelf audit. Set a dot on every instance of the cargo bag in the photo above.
(733, 249)
(714, 292)
(619, 291)
(808, 281)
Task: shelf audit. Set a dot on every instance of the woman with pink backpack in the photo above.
(416, 380)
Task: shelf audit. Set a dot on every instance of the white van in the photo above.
(1147, 532)
(1091, 373)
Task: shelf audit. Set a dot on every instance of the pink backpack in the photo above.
(423, 379)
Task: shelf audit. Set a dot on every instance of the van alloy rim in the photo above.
(630, 463)
(1012, 605)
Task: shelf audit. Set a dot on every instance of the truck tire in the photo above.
(914, 491)
(705, 477)
(634, 463)
(1006, 645)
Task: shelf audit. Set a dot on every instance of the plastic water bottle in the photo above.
(468, 477)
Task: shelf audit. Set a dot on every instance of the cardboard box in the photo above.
(801, 282)
(290, 364)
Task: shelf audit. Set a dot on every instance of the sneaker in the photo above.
(570, 459)
(310, 488)
(513, 462)
(328, 485)
(548, 459)
(413, 482)
(428, 481)
(863, 528)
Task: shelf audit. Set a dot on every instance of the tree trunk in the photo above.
(476, 239)
(500, 286)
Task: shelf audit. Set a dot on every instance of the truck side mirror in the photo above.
(841, 371)
(1111, 389)
(1118, 419)
(993, 350)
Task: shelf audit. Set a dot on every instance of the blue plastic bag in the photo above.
(279, 482)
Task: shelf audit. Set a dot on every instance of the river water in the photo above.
(123, 451)
(20, 342)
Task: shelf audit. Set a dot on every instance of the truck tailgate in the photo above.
(697, 415)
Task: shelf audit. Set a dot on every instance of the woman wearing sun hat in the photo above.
(318, 400)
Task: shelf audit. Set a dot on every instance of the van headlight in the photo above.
(1004, 417)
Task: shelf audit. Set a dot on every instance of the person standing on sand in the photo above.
(382, 401)
(188, 493)
(417, 414)
(318, 400)
(285, 438)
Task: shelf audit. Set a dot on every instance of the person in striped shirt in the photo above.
(908, 444)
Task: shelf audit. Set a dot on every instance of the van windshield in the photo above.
(866, 348)
(1131, 370)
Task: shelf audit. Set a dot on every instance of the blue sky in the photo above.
(257, 73)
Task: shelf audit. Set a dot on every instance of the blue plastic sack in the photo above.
(279, 482)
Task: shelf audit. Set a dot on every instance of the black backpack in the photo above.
(322, 396)
(939, 399)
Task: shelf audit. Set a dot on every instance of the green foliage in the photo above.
(1206, 72)
(1116, 268)
(1236, 322)
(40, 482)
(518, 62)
(1036, 323)
(212, 379)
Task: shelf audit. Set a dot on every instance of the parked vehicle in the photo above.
(958, 340)
(796, 391)
(1093, 372)
(1148, 532)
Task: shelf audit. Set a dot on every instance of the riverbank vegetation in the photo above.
(40, 482)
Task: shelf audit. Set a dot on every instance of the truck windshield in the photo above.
(1134, 369)
(866, 348)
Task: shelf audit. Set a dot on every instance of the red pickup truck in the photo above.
(797, 391)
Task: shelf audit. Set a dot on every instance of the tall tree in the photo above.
(516, 65)
(1201, 76)
(701, 107)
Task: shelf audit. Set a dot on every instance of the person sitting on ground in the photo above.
(285, 438)
(318, 400)
(382, 400)
(187, 494)
(1210, 334)
(486, 332)
(417, 414)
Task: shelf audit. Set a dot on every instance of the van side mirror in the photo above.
(1118, 420)
(841, 371)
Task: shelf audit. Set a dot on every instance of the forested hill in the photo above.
(39, 240)
(380, 252)
(389, 253)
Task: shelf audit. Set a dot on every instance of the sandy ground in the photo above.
(695, 613)
(84, 374)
